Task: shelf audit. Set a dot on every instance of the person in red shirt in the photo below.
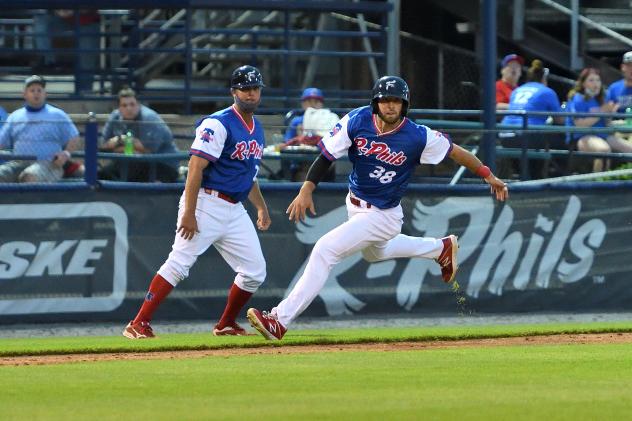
(510, 72)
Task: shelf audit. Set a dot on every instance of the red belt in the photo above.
(358, 203)
(221, 195)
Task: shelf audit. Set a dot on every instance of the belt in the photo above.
(358, 202)
(220, 195)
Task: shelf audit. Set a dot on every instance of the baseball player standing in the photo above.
(384, 148)
(223, 167)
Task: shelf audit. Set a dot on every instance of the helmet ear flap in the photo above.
(374, 106)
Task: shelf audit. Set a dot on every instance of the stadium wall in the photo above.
(79, 254)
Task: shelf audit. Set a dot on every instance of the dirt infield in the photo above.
(566, 339)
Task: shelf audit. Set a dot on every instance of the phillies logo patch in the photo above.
(335, 130)
(381, 151)
(207, 135)
(245, 150)
(149, 296)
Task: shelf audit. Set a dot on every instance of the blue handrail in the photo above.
(251, 52)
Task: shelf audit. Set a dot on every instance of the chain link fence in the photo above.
(446, 77)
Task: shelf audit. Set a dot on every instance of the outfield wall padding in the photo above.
(88, 255)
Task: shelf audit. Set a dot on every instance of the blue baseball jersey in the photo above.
(233, 149)
(532, 96)
(621, 94)
(382, 162)
(578, 104)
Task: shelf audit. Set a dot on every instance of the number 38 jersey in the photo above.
(382, 162)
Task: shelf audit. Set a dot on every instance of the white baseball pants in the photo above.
(375, 232)
(226, 226)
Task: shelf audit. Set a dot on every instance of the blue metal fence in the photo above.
(255, 51)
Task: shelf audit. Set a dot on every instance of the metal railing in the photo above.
(124, 50)
(523, 151)
(469, 130)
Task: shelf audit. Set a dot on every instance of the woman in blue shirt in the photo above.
(535, 95)
(588, 96)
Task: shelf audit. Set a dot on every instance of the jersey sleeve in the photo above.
(337, 142)
(210, 137)
(438, 146)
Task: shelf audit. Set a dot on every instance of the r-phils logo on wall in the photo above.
(552, 246)
(62, 257)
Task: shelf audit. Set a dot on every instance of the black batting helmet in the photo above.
(391, 86)
(246, 77)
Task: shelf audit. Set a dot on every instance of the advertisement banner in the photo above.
(69, 256)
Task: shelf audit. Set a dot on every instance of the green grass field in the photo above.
(587, 381)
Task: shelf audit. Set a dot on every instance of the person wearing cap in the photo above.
(308, 128)
(40, 130)
(150, 134)
(510, 72)
(311, 98)
(620, 92)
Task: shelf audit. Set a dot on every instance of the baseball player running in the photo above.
(223, 167)
(384, 148)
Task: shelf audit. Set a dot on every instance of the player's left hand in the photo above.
(498, 187)
(299, 206)
(263, 219)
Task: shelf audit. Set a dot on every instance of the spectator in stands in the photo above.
(510, 72)
(588, 96)
(62, 23)
(307, 129)
(311, 98)
(151, 135)
(620, 92)
(534, 95)
(41, 131)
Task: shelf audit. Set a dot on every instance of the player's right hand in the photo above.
(188, 226)
(299, 206)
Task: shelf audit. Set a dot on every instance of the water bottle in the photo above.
(129, 144)
(628, 116)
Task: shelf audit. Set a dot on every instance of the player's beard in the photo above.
(246, 107)
(387, 120)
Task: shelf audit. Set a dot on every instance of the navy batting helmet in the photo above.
(391, 86)
(246, 77)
